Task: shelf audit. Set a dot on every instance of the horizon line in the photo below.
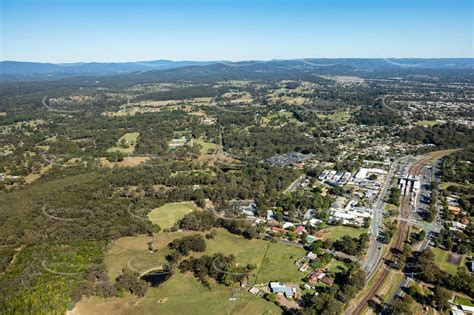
(233, 61)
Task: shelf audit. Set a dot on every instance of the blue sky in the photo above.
(131, 30)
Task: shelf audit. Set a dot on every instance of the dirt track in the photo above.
(401, 235)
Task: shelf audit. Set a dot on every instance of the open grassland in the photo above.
(445, 259)
(427, 123)
(274, 261)
(126, 143)
(167, 215)
(336, 232)
(181, 294)
(206, 145)
(34, 176)
(133, 252)
(128, 161)
(336, 117)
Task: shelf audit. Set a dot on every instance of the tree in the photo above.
(441, 297)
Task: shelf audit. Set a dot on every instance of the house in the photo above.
(280, 288)
(270, 215)
(465, 221)
(311, 256)
(277, 229)
(319, 275)
(315, 275)
(327, 280)
(457, 226)
(287, 225)
(304, 268)
(454, 210)
(254, 291)
(299, 229)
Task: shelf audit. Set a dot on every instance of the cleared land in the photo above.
(448, 261)
(128, 161)
(126, 143)
(182, 292)
(167, 215)
(206, 145)
(427, 123)
(336, 232)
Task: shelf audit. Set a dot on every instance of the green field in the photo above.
(275, 262)
(336, 266)
(206, 145)
(130, 141)
(336, 232)
(182, 292)
(427, 123)
(463, 301)
(336, 117)
(167, 215)
(441, 260)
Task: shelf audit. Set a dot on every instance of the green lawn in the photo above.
(336, 232)
(167, 215)
(278, 264)
(336, 266)
(441, 260)
(130, 142)
(463, 301)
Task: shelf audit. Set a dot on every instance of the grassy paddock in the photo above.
(441, 260)
(131, 141)
(336, 232)
(167, 215)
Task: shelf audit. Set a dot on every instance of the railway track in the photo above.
(401, 235)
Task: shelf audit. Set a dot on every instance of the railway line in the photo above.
(401, 235)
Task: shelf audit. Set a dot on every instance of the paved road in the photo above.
(431, 227)
(374, 254)
(295, 184)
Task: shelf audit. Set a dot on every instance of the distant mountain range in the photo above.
(90, 68)
(176, 70)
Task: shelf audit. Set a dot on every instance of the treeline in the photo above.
(426, 270)
(264, 142)
(377, 114)
(449, 135)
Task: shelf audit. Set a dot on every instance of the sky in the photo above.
(137, 30)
